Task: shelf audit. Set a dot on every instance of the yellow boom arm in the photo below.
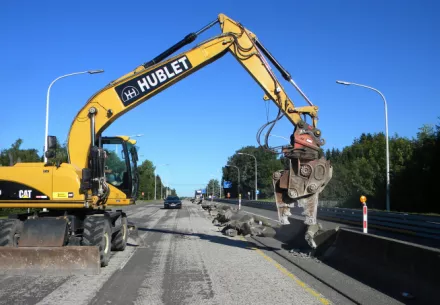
(143, 83)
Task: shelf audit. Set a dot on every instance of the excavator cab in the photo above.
(121, 172)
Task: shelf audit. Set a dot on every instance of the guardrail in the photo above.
(408, 224)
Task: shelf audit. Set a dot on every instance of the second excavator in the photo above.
(78, 192)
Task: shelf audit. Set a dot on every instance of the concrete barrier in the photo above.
(386, 264)
(368, 250)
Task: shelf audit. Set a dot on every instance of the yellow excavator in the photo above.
(78, 230)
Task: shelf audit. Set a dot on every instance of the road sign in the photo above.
(227, 184)
(258, 192)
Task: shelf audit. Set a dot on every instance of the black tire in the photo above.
(10, 230)
(97, 232)
(119, 241)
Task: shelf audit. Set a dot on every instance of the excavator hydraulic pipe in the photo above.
(284, 72)
(187, 40)
(286, 75)
(210, 25)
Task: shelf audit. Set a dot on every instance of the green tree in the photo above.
(160, 188)
(415, 186)
(213, 187)
(146, 180)
(169, 191)
(114, 162)
(267, 164)
(15, 154)
(60, 154)
(359, 169)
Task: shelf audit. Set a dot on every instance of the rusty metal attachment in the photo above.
(44, 232)
(50, 260)
(61, 242)
(304, 177)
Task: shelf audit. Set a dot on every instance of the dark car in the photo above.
(172, 202)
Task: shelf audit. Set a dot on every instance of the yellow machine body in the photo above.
(38, 185)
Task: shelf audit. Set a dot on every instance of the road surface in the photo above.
(181, 258)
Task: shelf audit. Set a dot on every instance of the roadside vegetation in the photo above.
(358, 169)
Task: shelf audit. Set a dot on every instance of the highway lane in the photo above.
(339, 287)
(181, 258)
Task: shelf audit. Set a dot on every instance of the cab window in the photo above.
(116, 169)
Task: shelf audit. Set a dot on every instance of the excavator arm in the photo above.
(305, 174)
(147, 80)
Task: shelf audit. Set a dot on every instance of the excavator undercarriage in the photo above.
(61, 241)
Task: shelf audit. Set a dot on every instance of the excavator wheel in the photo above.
(98, 232)
(119, 241)
(10, 230)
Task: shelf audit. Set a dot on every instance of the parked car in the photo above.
(172, 202)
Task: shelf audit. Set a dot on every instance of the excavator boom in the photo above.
(147, 80)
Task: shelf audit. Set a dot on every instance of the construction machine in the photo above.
(78, 192)
(35, 241)
(198, 197)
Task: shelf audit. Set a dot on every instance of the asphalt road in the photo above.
(181, 258)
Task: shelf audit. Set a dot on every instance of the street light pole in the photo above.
(212, 187)
(256, 179)
(388, 204)
(155, 178)
(47, 103)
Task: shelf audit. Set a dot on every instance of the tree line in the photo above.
(146, 183)
(358, 169)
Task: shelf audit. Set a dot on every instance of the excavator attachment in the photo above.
(41, 246)
(61, 243)
(304, 177)
(50, 260)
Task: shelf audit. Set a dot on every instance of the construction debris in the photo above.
(234, 223)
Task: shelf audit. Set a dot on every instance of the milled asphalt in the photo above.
(180, 258)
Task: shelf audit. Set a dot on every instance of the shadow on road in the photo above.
(212, 238)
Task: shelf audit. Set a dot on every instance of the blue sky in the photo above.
(195, 125)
